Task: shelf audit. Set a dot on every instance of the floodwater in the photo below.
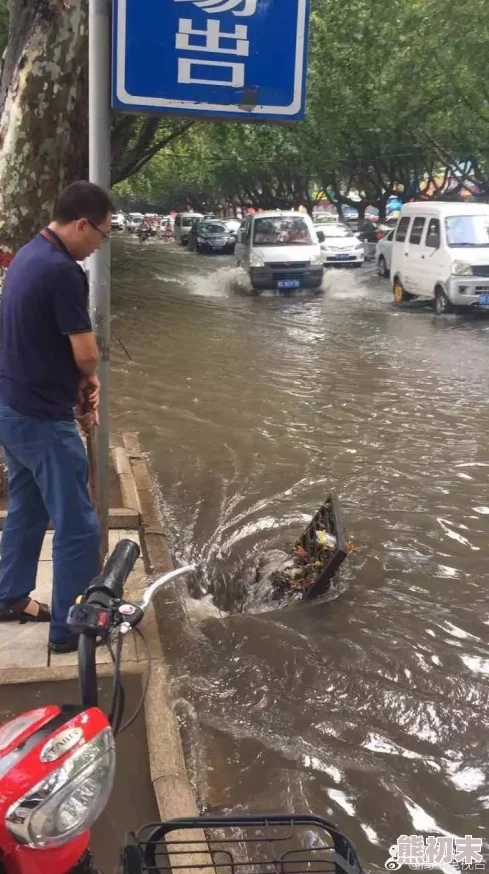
(371, 707)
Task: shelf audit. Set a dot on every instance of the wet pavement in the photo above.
(371, 707)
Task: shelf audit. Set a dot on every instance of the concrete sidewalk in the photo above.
(24, 648)
(24, 653)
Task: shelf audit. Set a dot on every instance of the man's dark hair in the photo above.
(82, 200)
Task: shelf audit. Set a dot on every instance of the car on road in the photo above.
(183, 225)
(441, 251)
(213, 235)
(118, 222)
(341, 246)
(133, 221)
(323, 218)
(383, 254)
(280, 250)
(233, 224)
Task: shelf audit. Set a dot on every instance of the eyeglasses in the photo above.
(105, 237)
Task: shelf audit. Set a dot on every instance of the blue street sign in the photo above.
(234, 59)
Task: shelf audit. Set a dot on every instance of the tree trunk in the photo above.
(44, 113)
(361, 206)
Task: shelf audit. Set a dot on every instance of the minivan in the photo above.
(441, 251)
(280, 250)
(183, 225)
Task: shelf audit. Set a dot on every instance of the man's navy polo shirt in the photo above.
(44, 299)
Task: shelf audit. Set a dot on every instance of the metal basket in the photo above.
(328, 518)
(240, 845)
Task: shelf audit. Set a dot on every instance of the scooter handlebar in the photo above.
(109, 585)
(118, 567)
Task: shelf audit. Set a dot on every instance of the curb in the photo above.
(171, 782)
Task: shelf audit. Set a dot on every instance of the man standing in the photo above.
(48, 367)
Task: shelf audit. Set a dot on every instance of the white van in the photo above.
(280, 250)
(183, 225)
(441, 251)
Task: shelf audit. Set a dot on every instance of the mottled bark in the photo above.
(43, 121)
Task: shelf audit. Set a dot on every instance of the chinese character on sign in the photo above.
(213, 36)
(237, 7)
(215, 41)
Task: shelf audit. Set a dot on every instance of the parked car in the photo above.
(133, 221)
(280, 250)
(341, 246)
(183, 226)
(118, 222)
(383, 254)
(233, 225)
(323, 218)
(212, 235)
(441, 251)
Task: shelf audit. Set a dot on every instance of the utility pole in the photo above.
(99, 23)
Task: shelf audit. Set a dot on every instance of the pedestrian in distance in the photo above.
(48, 378)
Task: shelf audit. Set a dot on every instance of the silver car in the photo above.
(383, 255)
(340, 246)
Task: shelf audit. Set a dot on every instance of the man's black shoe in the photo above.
(70, 644)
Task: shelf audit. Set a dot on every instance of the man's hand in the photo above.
(88, 403)
(86, 421)
(89, 391)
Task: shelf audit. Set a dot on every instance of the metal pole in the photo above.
(99, 267)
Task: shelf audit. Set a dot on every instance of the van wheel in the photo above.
(400, 295)
(442, 305)
(382, 268)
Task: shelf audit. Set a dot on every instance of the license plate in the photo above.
(484, 300)
(288, 283)
(343, 257)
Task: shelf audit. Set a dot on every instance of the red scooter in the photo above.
(57, 767)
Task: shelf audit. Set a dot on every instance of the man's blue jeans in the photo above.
(47, 479)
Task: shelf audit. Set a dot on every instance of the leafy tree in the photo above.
(44, 114)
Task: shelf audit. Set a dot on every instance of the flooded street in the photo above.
(371, 707)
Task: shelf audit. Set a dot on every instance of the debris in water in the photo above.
(307, 570)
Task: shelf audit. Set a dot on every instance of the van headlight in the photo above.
(256, 260)
(317, 259)
(461, 268)
(68, 802)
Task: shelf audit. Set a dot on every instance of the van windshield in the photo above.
(467, 230)
(282, 231)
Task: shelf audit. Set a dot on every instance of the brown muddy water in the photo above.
(371, 707)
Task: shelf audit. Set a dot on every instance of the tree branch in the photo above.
(143, 151)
